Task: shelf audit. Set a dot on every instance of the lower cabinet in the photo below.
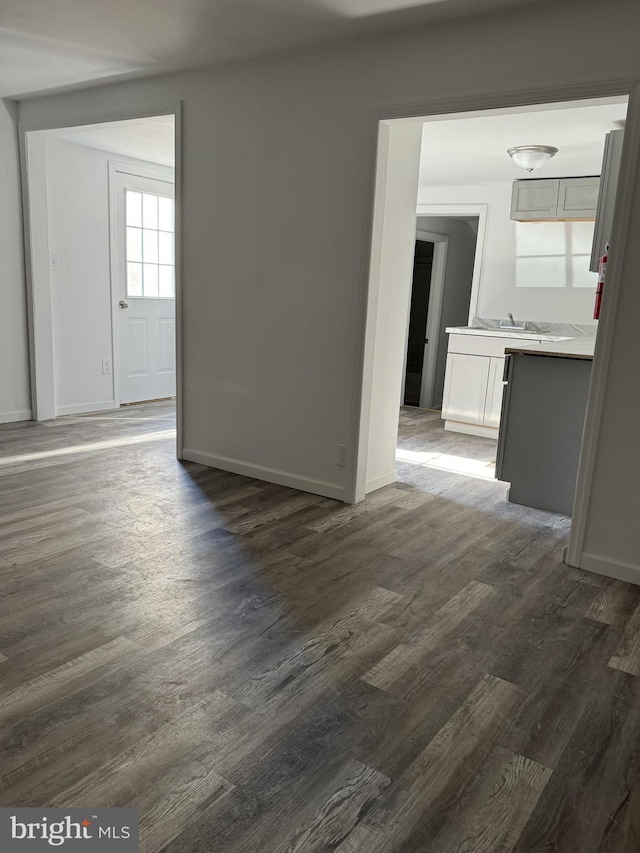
(465, 387)
(473, 385)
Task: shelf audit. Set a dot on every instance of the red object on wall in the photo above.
(602, 274)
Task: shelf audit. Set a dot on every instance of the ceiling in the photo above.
(472, 151)
(145, 138)
(46, 45)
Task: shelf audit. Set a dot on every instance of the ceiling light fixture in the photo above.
(531, 157)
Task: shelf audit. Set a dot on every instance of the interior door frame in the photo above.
(36, 248)
(157, 173)
(371, 327)
(434, 313)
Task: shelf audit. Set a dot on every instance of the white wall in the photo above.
(278, 187)
(15, 402)
(457, 285)
(78, 218)
(498, 294)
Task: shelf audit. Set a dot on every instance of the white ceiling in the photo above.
(145, 138)
(49, 44)
(473, 151)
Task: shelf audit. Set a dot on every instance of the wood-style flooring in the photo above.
(260, 670)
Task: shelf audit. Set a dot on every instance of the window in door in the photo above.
(149, 221)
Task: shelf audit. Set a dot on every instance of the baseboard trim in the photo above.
(618, 569)
(471, 429)
(13, 417)
(381, 481)
(270, 475)
(85, 408)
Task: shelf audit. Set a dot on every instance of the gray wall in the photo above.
(278, 182)
(457, 284)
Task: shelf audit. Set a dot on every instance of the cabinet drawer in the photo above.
(484, 345)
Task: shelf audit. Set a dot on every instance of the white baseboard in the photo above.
(618, 569)
(381, 481)
(271, 475)
(13, 417)
(85, 408)
(472, 429)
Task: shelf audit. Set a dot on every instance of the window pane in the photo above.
(134, 279)
(134, 244)
(165, 214)
(150, 279)
(150, 246)
(133, 208)
(149, 211)
(540, 238)
(581, 237)
(166, 281)
(541, 272)
(581, 276)
(165, 249)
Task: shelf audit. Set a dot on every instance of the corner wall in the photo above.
(15, 402)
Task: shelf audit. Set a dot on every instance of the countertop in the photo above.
(572, 348)
(517, 334)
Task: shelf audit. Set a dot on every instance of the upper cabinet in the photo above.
(554, 198)
(607, 195)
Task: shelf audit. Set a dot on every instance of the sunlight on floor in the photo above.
(446, 462)
(87, 448)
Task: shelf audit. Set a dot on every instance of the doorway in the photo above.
(102, 217)
(417, 341)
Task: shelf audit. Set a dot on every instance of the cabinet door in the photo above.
(495, 389)
(578, 198)
(606, 195)
(534, 199)
(465, 387)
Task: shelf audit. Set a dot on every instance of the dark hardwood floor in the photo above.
(258, 669)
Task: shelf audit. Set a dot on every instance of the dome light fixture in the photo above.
(531, 157)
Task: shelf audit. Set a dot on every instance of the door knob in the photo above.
(123, 304)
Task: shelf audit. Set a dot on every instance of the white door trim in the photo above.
(116, 167)
(434, 312)
(37, 253)
(368, 314)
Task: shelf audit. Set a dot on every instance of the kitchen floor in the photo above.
(258, 669)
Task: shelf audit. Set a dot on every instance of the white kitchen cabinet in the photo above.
(473, 388)
(495, 388)
(577, 198)
(554, 198)
(607, 195)
(465, 388)
(534, 199)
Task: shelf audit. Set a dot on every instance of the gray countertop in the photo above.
(572, 348)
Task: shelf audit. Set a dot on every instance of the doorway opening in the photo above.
(532, 277)
(102, 244)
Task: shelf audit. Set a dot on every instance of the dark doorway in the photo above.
(420, 289)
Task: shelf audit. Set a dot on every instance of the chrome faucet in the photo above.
(511, 323)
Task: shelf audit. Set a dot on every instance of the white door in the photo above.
(145, 303)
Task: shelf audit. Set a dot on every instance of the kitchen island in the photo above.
(543, 411)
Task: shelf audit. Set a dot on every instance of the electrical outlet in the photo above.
(106, 366)
(342, 456)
